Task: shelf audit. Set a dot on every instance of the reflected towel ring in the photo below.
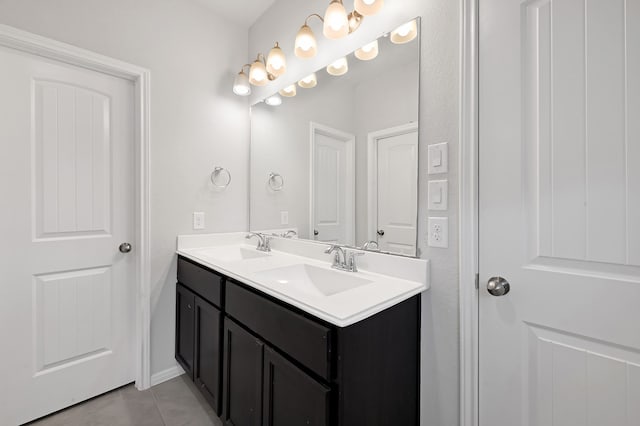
(217, 171)
(276, 181)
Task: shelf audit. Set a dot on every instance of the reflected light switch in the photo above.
(438, 158)
(438, 195)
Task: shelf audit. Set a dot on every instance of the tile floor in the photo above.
(176, 402)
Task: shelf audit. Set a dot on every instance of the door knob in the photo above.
(498, 286)
(380, 232)
(315, 232)
(125, 248)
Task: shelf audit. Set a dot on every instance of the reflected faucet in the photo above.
(289, 234)
(368, 244)
(264, 242)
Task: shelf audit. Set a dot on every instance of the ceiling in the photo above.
(244, 12)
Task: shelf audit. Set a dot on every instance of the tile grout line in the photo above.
(155, 403)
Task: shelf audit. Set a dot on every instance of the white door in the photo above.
(68, 295)
(332, 185)
(560, 212)
(397, 192)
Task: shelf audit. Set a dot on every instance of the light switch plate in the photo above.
(284, 218)
(438, 158)
(198, 220)
(438, 232)
(438, 198)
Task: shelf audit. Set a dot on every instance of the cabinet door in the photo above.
(291, 397)
(206, 372)
(185, 301)
(242, 377)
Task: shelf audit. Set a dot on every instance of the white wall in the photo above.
(196, 121)
(439, 93)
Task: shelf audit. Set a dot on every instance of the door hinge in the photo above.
(477, 281)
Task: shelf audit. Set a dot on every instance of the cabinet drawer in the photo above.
(201, 281)
(304, 340)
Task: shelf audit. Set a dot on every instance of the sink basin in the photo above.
(231, 253)
(311, 279)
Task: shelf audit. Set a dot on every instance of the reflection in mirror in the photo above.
(346, 143)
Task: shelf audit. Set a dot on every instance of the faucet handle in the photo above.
(351, 263)
(331, 248)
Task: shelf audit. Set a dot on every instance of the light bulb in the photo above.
(336, 23)
(258, 74)
(338, 67)
(309, 81)
(289, 91)
(368, 7)
(241, 85)
(368, 51)
(305, 46)
(404, 33)
(276, 62)
(273, 100)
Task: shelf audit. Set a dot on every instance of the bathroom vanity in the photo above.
(263, 354)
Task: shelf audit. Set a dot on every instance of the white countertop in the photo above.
(341, 309)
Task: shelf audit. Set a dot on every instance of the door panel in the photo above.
(207, 351)
(185, 328)
(242, 377)
(291, 397)
(558, 217)
(397, 185)
(66, 173)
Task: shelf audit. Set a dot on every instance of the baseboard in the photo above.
(164, 375)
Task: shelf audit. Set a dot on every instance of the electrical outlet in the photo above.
(284, 218)
(198, 220)
(438, 232)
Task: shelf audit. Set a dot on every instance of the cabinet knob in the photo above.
(189, 306)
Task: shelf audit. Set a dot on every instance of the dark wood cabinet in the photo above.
(206, 372)
(290, 396)
(262, 362)
(185, 332)
(242, 377)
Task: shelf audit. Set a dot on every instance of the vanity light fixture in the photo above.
(338, 67)
(404, 33)
(336, 22)
(368, 51)
(309, 81)
(273, 100)
(289, 91)
(306, 45)
(368, 7)
(258, 75)
(276, 61)
(241, 86)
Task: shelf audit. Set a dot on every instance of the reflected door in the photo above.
(68, 294)
(559, 212)
(332, 185)
(397, 190)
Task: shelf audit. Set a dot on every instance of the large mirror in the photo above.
(338, 162)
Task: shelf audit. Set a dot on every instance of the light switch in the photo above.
(198, 220)
(438, 195)
(284, 218)
(438, 158)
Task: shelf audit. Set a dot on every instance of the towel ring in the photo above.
(217, 171)
(276, 181)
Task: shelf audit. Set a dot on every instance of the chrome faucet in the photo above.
(289, 234)
(368, 244)
(344, 260)
(264, 242)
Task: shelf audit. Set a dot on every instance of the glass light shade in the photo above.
(289, 91)
(368, 51)
(309, 81)
(339, 67)
(405, 33)
(368, 7)
(241, 86)
(276, 61)
(355, 19)
(336, 23)
(306, 46)
(258, 74)
(273, 100)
